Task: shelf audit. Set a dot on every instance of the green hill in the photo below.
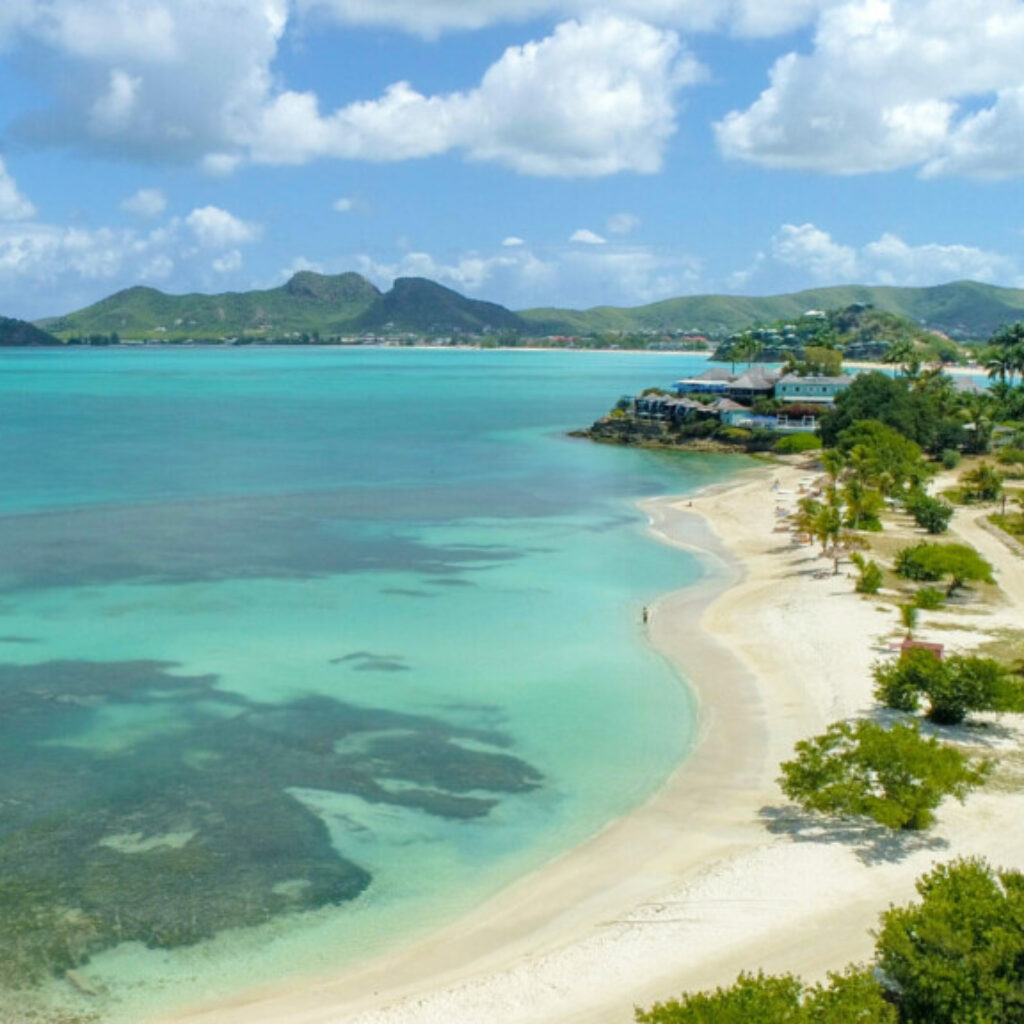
(18, 333)
(965, 310)
(346, 304)
(418, 305)
(308, 302)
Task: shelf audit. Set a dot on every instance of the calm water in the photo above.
(303, 652)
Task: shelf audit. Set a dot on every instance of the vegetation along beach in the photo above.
(512, 512)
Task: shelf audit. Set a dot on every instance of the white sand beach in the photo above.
(716, 874)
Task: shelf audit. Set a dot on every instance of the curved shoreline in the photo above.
(712, 875)
(574, 896)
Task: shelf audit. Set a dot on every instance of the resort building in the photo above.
(810, 390)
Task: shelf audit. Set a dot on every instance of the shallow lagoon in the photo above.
(305, 651)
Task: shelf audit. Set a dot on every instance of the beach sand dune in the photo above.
(716, 874)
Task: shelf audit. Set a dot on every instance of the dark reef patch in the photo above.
(291, 537)
(170, 833)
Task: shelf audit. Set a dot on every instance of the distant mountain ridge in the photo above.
(312, 306)
(965, 310)
(21, 334)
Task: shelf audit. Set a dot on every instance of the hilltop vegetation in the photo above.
(317, 307)
(965, 310)
(19, 333)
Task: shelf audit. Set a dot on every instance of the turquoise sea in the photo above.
(304, 652)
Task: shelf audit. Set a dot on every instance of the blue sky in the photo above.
(531, 152)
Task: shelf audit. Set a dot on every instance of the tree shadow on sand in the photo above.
(872, 843)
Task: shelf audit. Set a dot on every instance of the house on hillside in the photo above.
(810, 390)
(710, 382)
(756, 382)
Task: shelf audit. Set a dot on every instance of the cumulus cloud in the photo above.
(586, 237)
(817, 258)
(159, 79)
(512, 242)
(13, 205)
(433, 17)
(521, 277)
(215, 228)
(147, 202)
(594, 98)
(230, 262)
(343, 205)
(194, 80)
(936, 84)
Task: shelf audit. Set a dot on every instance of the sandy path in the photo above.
(715, 874)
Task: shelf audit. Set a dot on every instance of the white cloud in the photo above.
(892, 84)
(623, 223)
(147, 202)
(745, 17)
(512, 242)
(817, 258)
(594, 98)
(215, 228)
(228, 263)
(13, 205)
(586, 237)
(521, 277)
(159, 79)
(814, 251)
(343, 205)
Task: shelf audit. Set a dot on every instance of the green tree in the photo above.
(853, 997)
(933, 514)
(870, 577)
(871, 396)
(983, 483)
(882, 457)
(953, 688)
(895, 776)
(933, 562)
(957, 956)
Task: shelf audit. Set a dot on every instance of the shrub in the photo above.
(953, 688)
(854, 995)
(932, 514)
(929, 598)
(1011, 456)
(894, 776)
(957, 957)
(933, 562)
(734, 435)
(795, 444)
(870, 579)
(981, 484)
(950, 458)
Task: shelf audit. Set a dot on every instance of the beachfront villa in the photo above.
(810, 390)
(730, 397)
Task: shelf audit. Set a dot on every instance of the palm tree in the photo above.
(908, 617)
(902, 354)
(1000, 362)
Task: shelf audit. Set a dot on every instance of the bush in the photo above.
(734, 435)
(950, 458)
(932, 514)
(870, 579)
(894, 776)
(1011, 456)
(953, 688)
(854, 996)
(929, 598)
(795, 444)
(981, 484)
(957, 957)
(933, 562)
